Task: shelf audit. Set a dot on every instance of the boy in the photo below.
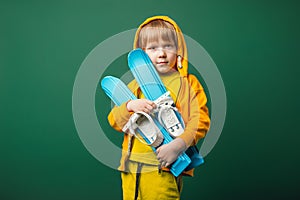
(145, 174)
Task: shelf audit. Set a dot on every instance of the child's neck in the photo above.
(172, 71)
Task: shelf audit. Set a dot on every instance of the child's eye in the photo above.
(169, 46)
(152, 48)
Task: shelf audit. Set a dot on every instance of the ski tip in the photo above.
(107, 81)
(137, 58)
(135, 52)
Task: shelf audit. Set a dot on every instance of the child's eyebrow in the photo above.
(151, 44)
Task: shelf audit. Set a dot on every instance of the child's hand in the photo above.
(143, 105)
(168, 153)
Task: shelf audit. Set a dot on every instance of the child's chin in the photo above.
(162, 68)
(163, 71)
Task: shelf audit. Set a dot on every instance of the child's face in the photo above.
(163, 55)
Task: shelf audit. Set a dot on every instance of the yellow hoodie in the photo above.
(190, 101)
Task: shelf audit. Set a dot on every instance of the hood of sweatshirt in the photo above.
(182, 50)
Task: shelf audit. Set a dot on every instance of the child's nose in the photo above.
(161, 52)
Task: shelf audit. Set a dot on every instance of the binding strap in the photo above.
(142, 126)
(167, 115)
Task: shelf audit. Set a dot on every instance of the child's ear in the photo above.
(179, 64)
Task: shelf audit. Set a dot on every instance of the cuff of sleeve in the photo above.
(122, 115)
(189, 141)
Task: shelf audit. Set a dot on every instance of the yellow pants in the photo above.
(150, 184)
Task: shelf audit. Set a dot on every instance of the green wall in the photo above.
(255, 45)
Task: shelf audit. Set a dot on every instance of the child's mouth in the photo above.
(162, 63)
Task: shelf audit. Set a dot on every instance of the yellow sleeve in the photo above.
(118, 117)
(194, 111)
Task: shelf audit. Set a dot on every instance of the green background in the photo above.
(255, 45)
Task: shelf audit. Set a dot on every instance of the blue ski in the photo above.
(118, 92)
(154, 90)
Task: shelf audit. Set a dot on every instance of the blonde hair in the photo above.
(155, 30)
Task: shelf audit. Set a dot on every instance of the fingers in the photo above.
(143, 105)
(150, 103)
(147, 109)
(163, 162)
(167, 164)
(158, 150)
(147, 106)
